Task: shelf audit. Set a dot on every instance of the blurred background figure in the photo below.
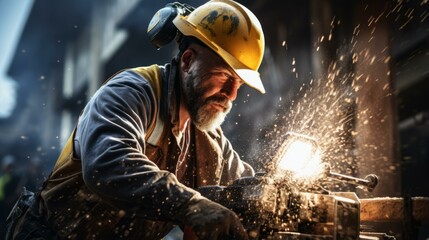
(13, 179)
(10, 187)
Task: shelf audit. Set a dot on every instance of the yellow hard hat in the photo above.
(233, 32)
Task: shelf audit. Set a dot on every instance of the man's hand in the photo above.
(210, 220)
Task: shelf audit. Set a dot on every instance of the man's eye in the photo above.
(222, 76)
(229, 77)
(226, 77)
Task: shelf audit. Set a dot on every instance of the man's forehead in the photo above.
(212, 57)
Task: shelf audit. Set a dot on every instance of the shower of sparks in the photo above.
(340, 102)
(324, 112)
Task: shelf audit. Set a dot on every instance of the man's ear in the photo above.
(187, 58)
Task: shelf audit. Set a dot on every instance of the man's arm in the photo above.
(111, 142)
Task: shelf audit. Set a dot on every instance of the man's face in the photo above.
(210, 87)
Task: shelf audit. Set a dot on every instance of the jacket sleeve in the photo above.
(110, 141)
(234, 167)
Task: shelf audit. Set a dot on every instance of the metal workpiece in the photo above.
(279, 211)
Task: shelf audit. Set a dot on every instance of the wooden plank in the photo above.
(392, 209)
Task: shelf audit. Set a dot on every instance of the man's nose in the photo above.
(230, 90)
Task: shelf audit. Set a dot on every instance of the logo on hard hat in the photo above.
(229, 20)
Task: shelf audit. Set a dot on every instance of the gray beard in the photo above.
(207, 119)
(202, 115)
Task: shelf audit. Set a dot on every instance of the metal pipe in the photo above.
(369, 182)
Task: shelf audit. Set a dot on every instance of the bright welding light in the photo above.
(301, 156)
(296, 156)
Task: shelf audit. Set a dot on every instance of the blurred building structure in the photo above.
(367, 59)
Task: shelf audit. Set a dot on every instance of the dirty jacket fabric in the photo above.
(116, 177)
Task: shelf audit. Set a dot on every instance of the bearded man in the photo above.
(151, 135)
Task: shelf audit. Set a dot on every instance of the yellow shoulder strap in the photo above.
(153, 75)
(66, 153)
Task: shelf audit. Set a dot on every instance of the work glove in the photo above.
(210, 220)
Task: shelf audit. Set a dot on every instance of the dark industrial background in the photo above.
(354, 74)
